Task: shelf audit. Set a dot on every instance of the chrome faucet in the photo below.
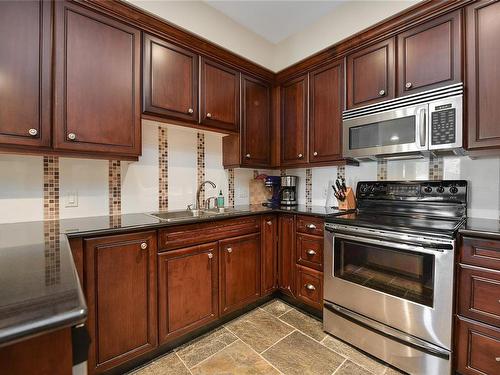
(202, 185)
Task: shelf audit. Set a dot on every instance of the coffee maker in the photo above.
(288, 190)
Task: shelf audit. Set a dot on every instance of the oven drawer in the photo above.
(479, 294)
(480, 252)
(310, 286)
(310, 225)
(310, 251)
(477, 348)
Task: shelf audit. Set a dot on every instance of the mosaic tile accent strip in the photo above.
(50, 187)
(308, 187)
(200, 163)
(282, 172)
(436, 169)
(230, 183)
(163, 166)
(115, 187)
(341, 171)
(52, 253)
(381, 170)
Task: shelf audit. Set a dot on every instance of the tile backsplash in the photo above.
(174, 159)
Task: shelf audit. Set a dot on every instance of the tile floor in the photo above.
(275, 338)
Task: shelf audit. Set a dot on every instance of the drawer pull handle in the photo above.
(229, 250)
(311, 226)
(311, 252)
(310, 287)
(144, 246)
(210, 255)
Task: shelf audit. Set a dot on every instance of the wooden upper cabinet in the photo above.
(429, 55)
(220, 96)
(239, 272)
(25, 72)
(482, 74)
(256, 122)
(187, 290)
(371, 74)
(120, 274)
(170, 80)
(97, 83)
(294, 121)
(326, 103)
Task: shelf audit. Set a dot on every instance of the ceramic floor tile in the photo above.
(350, 368)
(277, 307)
(236, 358)
(298, 354)
(259, 329)
(354, 355)
(203, 347)
(305, 323)
(393, 371)
(167, 365)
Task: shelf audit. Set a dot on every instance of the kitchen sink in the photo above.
(182, 215)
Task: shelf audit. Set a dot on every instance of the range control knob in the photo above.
(453, 190)
(364, 188)
(428, 189)
(440, 190)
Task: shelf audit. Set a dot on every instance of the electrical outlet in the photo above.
(325, 192)
(71, 199)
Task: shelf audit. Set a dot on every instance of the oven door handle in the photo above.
(397, 245)
(387, 331)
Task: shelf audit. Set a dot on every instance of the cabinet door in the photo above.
(239, 272)
(430, 55)
(269, 254)
(187, 289)
(170, 80)
(294, 121)
(482, 74)
(256, 124)
(286, 254)
(371, 74)
(97, 83)
(120, 275)
(326, 103)
(25, 72)
(220, 96)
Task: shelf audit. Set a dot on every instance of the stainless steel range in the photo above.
(388, 285)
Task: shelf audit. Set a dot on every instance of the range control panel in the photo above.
(443, 125)
(443, 190)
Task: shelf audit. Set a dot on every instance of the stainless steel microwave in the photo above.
(408, 127)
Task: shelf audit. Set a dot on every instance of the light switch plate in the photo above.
(71, 199)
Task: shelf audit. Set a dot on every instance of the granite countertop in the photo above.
(39, 286)
(486, 228)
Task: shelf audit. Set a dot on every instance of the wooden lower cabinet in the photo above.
(120, 274)
(187, 289)
(286, 254)
(310, 286)
(240, 271)
(269, 269)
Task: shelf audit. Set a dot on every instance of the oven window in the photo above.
(404, 274)
(385, 133)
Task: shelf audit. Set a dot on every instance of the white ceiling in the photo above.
(274, 20)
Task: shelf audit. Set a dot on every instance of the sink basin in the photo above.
(181, 215)
(223, 211)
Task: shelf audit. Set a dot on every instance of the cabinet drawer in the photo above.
(480, 252)
(186, 235)
(310, 286)
(479, 294)
(310, 225)
(478, 348)
(310, 251)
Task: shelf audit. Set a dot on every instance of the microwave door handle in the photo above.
(422, 127)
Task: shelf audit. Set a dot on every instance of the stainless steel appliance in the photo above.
(388, 280)
(409, 127)
(288, 190)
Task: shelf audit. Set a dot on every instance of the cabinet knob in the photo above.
(190, 110)
(32, 132)
(311, 252)
(381, 92)
(310, 287)
(408, 85)
(311, 226)
(209, 115)
(71, 136)
(210, 255)
(497, 359)
(315, 153)
(300, 156)
(144, 246)
(269, 222)
(229, 250)
(247, 156)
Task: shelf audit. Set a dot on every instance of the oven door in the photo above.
(401, 130)
(405, 286)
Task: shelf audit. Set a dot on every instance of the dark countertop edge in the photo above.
(479, 233)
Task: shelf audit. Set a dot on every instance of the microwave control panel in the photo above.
(443, 125)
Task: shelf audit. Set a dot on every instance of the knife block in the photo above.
(350, 201)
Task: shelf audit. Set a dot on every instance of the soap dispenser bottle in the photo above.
(220, 200)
